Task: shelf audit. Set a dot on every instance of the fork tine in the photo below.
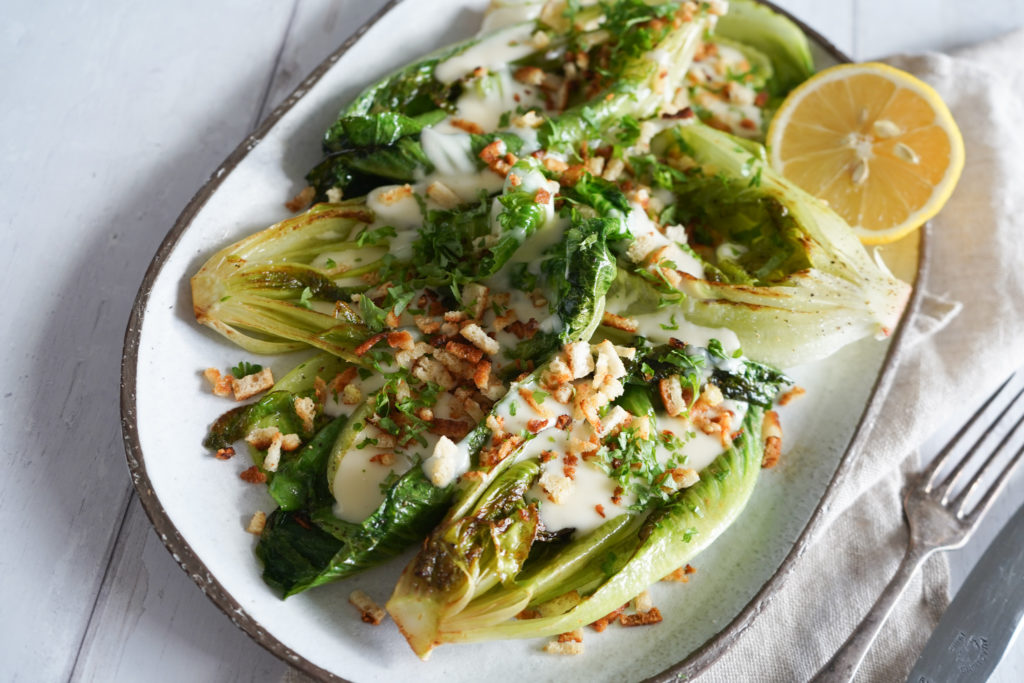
(943, 457)
(954, 475)
(996, 486)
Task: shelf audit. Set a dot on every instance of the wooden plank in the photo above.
(106, 138)
(317, 29)
(152, 623)
(834, 20)
(886, 27)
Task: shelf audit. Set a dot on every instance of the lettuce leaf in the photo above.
(810, 290)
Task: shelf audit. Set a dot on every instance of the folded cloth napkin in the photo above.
(958, 353)
(976, 255)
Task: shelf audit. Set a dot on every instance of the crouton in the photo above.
(369, 611)
(257, 523)
(253, 384)
(476, 336)
(305, 409)
(619, 322)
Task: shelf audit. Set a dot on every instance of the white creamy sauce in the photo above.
(529, 136)
(547, 236)
(450, 152)
(515, 403)
(484, 100)
(333, 405)
(514, 412)
(494, 51)
(592, 487)
(393, 207)
(700, 449)
(356, 485)
(504, 13)
(524, 309)
(669, 323)
(729, 251)
(466, 186)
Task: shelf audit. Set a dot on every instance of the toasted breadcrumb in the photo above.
(792, 394)
(395, 194)
(224, 453)
(482, 374)
(641, 618)
(680, 575)
(557, 647)
(369, 343)
(574, 636)
(273, 457)
(257, 523)
(342, 380)
(642, 602)
(468, 126)
(305, 408)
(534, 426)
(253, 384)
(531, 401)
(262, 438)
(497, 158)
(684, 477)
(579, 358)
(401, 339)
(302, 200)
(478, 338)
(221, 384)
(619, 323)
(386, 459)
(602, 623)
(529, 75)
(470, 354)
(253, 475)
(672, 395)
(426, 324)
(369, 611)
(351, 395)
(771, 430)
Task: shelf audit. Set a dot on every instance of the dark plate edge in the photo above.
(175, 543)
(694, 664)
(698, 661)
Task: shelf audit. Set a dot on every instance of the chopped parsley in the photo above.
(375, 236)
(245, 368)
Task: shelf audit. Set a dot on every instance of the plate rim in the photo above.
(695, 662)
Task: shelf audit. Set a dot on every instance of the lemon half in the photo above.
(879, 145)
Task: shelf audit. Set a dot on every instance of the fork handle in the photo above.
(844, 663)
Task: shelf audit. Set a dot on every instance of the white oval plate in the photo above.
(200, 507)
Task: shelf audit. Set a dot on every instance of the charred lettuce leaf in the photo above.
(783, 271)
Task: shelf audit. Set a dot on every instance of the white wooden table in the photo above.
(112, 114)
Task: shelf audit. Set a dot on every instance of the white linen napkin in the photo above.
(977, 257)
(961, 354)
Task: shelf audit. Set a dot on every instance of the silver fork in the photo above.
(938, 521)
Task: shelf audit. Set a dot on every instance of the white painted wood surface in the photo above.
(112, 115)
